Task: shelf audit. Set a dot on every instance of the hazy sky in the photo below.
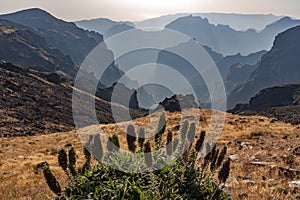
(141, 9)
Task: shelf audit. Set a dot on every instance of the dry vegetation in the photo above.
(252, 139)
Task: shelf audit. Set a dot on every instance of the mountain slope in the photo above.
(26, 48)
(65, 36)
(270, 31)
(225, 64)
(31, 104)
(238, 74)
(279, 66)
(118, 28)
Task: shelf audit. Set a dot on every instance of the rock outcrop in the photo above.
(178, 103)
(281, 102)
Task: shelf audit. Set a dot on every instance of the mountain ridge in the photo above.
(65, 36)
(24, 47)
(225, 40)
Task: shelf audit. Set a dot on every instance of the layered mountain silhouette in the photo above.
(236, 53)
(279, 66)
(238, 75)
(226, 40)
(239, 22)
(223, 64)
(236, 69)
(101, 25)
(37, 40)
(217, 57)
(117, 29)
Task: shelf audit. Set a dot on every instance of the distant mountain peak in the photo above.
(283, 22)
(65, 36)
(32, 11)
(285, 19)
(193, 19)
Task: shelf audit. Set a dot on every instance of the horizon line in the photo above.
(146, 18)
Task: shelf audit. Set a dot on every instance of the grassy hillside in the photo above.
(252, 139)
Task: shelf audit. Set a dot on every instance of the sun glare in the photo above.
(159, 4)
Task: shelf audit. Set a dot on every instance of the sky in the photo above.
(135, 10)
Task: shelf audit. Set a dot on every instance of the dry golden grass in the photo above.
(19, 155)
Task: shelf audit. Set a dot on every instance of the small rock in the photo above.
(234, 157)
(231, 181)
(285, 137)
(294, 184)
(261, 163)
(270, 180)
(249, 182)
(231, 123)
(245, 144)
(68, 145)
(273, 120)
(296, 151)
(177, 127)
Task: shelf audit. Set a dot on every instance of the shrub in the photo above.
(88, 158)
(184, 178)
(200, 141)
(113, 143)
(131, 138)
(51, 180)
(169, 143)
(72, 162)
(141, 138)
(97, 147)
(148, 154)
(63, 160)
(191, 133)
(160, 130)
(184, 130)
(181, 180)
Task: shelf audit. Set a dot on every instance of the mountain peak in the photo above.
(282, 21)
(31, 11)
(65, 36)
(285, 19)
